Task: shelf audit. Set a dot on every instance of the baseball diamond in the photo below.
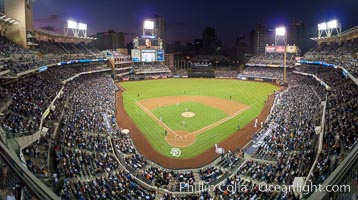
(160, 106)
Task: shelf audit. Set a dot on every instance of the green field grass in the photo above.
(204, 116)
(249, 93)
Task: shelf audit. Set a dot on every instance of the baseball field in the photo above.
(183, 118)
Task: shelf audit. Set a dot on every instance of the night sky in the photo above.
(186, 19)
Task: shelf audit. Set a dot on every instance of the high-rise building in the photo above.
(210, 40)
(296, 34)
(240, 49)
(260, 37)
(160, 28)
(109, 40)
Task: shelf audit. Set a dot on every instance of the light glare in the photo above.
(71, 24)
(332, 24)
(281, 31)
(148, 24)
(322, 26)
(82, 26)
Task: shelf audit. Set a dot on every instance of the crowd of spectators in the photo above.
(36, 156)
(52, 53)
(20, 66)
(330, 76)
(67, 71)
(135, 161)
(49, 48)
(340, 134)
(273, 59)
(85, 160)
(210, 174)
(264, 72)
(123, 144)
(115, 185)
(203, 195)
(341, 118)
(236, 187)
(284, 171)
(8, 48)
(11, 184)
(184, 180)
(343, 54)
(84, 151)
(294, 117)
(31, 96)
(151, 68)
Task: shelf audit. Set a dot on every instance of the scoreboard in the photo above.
(147, 55)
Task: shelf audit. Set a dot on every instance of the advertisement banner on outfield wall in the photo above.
(272, 65)
(280, 49)
(291, 49)
(269, 49)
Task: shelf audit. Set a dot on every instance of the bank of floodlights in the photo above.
(78, 29)
(328, 28)
(280, 33)
(148, 27)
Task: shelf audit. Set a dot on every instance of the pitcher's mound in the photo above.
(188, 114)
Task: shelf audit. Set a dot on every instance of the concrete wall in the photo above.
(16, 10)
(28, 15)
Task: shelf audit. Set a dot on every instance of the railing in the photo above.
(341, 178)
(38, 188)
(321, 129)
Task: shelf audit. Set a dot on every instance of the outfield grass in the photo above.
(249, 93)
(204, 116)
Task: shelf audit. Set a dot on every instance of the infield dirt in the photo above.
(234, 142)
(183, 138)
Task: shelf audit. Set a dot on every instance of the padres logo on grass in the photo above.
(175, 152)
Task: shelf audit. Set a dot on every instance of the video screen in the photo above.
(160, 55)
(148, 42)
(135, 55)
(148, 56)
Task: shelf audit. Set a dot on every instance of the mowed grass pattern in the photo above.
(250, 93)
(204, 116)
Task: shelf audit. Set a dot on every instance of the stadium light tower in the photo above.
(148, 26)
(76, 28)
(71, 25)
(281, 34)
(82, 28)
(328, 28)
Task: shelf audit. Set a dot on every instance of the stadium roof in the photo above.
(349, 34)
(53, 34)
(7, 20)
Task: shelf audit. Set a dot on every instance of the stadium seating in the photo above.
(339, 54)
(93, 159)
(272, 59)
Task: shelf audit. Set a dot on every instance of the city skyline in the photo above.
(186, 20)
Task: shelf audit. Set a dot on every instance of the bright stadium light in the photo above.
(332, 24)
(148, 24)
(322, 26)
(82, 26)
(72, 24)
(281, 31)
